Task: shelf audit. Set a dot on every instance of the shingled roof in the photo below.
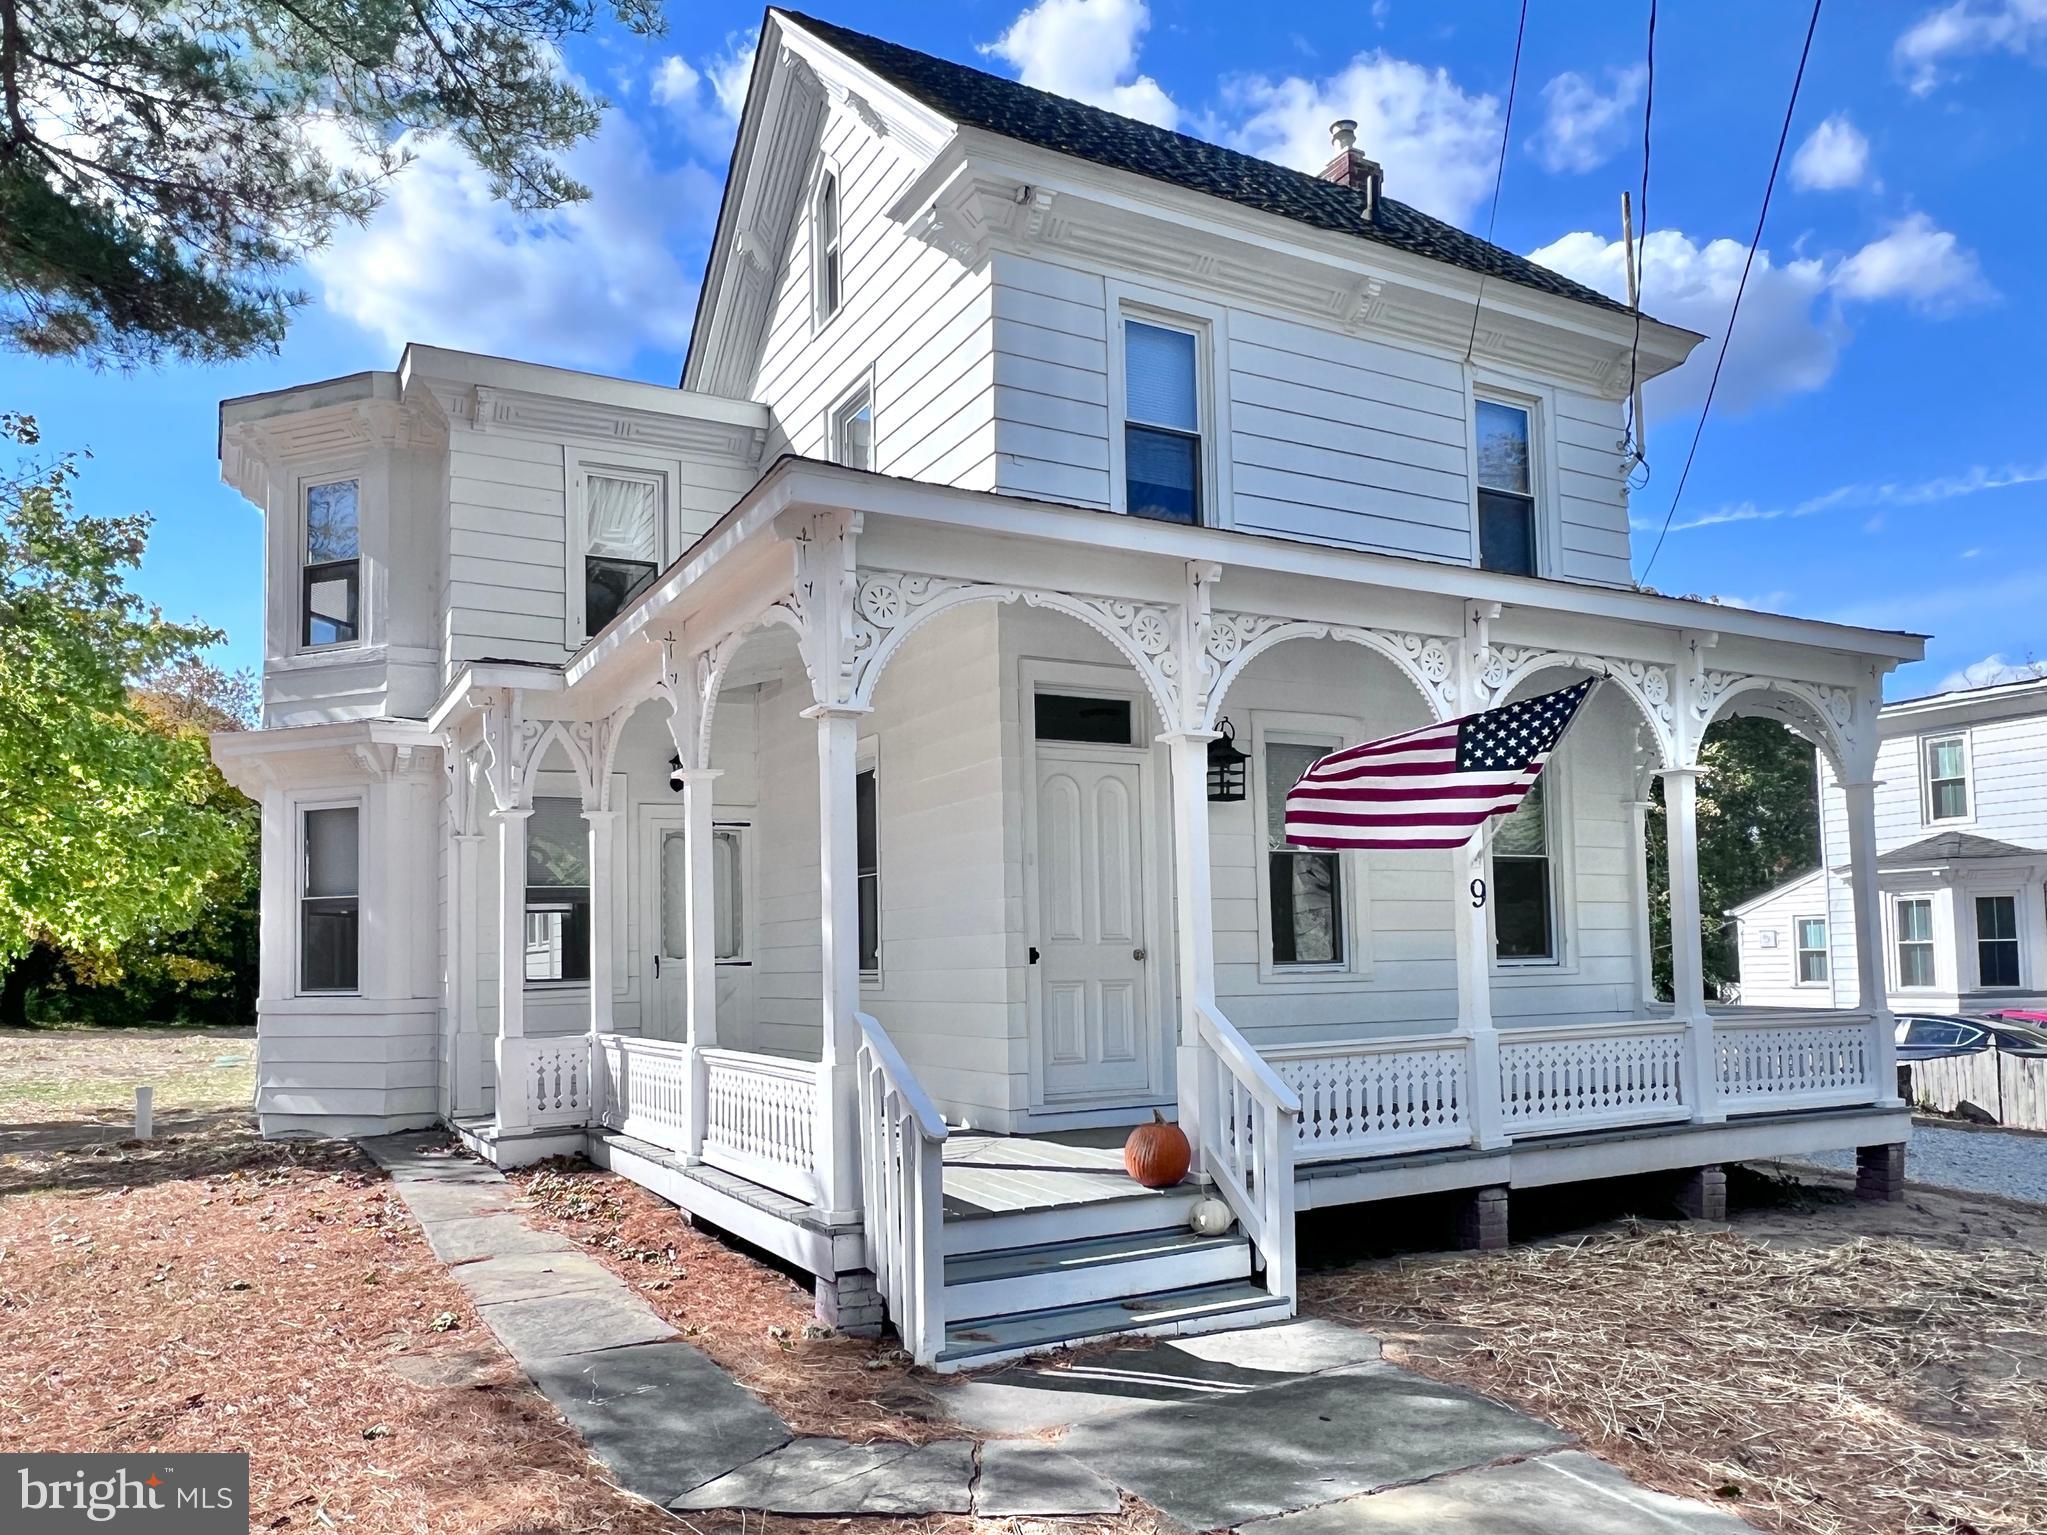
(1951, 847)
(976, 99)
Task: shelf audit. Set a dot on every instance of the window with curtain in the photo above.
(1997, 940)
(1524, 901)
(1162, 422)
(331, 572)
(867, 855)
(1811, 945)
(826, 253)
(1506, 489)
(728, 893)
(1947, 779)
(557, 891)
(1304, 885)
(1913, 920)
(330, 900)
(621, 543)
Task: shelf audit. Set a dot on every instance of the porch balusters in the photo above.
(511, 1053)
(1872, 996)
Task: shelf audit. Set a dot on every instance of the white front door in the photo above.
(1094, 1028)
(670, 946)
(666, 944)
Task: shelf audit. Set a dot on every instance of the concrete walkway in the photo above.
(1296, 1429)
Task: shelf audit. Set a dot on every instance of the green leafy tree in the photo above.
(163, 163)
(109, 827)
(1759, 825)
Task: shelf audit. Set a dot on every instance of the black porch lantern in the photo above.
(1225, 765)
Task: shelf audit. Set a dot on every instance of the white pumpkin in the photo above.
(1210, 1217)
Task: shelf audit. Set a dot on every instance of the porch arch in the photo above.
(713, 664)
(1423, 661)
(1647, 687)
(1820, 715)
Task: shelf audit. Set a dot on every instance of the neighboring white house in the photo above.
(1961, 825)
(794, 787)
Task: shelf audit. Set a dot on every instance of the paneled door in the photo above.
(1094, 1029)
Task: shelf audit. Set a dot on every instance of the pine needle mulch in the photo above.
(1820, 1381)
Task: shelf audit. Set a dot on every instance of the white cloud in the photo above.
(1917, 261)
(1087, 49)
(1582, 126)
(675, 81)
(1834, 155)
(587, 285)
(731, 70)
(1925, 54)
(707, 101)
(1792, 322)
(1972, 481)
(1990, 671)
(1439, 144)
(1762, 602)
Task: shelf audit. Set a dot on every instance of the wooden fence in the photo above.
(2013, 1087)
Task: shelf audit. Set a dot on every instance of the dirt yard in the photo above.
(1820, 1365)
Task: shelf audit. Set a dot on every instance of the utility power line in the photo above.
(1499, 174)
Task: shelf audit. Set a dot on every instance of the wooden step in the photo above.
(1001, 1230)
(1201, 1308)
(1073, 1273)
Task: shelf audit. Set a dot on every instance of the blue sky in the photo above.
(1876, 453)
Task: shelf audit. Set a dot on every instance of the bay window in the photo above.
(1162, 463)
(1524, 905)
(330, 898)
(1997, 940)
(557, 892)
(1912, 922)
(1506, 489)
(330, 573)
(1304, 885)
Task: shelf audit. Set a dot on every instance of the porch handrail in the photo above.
(902, 1151)
(1249, 1124)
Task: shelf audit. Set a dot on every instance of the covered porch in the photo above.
(908, 989)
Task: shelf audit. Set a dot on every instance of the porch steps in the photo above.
(1198, 1308)
(977, 1231)
(1058, 1275)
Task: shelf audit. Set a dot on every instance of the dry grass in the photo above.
(1822, 1380)
(753, 1318)
(71, 1087)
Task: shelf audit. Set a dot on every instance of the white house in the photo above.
(793, 787)
(1961, 826)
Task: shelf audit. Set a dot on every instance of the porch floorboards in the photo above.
(1003, 1174)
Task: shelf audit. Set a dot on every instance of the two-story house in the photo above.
(843, 791)
(1961, 824)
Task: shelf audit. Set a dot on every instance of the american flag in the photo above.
(1432, 787)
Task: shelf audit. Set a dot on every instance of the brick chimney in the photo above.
(1350, 168)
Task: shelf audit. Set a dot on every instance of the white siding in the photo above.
(1767, 947)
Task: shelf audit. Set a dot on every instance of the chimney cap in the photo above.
(1343, 133)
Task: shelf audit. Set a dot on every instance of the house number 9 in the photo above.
(1478, 892)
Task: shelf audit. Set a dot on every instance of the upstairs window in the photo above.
(1997, 940)
(1304, 886)
(1811, 936)
(557, 892)
(1524, 905)
(1914, 926)
(852, 430)
(330, 900)
(621, 543)
(1162, 422)
(1947, 778)
(331, 585)
(826, 252)
(1506, 490)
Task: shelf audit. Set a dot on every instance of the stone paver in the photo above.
(523, 1276)
(1975, 1161)
(662, 1416)
(829, 1476)
(581, 1322)
(1568, 1493)
(489, 1236)
(1027, 1479)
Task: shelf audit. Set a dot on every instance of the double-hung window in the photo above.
(1304, 885)
(852, 430)
(1524, 905)
(331, 570)
(1810, 935)
(557, 892)
(1162, 468)
(1997, 940)
(1506, 489)
(1947, 778)
(867, 855)
(621, 542)
(1913, 918)
(826, 248)
(330, 900)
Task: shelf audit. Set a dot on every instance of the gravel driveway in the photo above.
(1984, 1161)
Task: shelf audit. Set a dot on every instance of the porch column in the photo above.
(511, 1085)
(1638, 882)
(838, 1144)
(1475, 991)
(699, 896)
(600, 825)
(1194, 920)
(1687, 950)
(464, 915)
(1871, 991)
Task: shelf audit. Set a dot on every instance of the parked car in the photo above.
(1930, 1037)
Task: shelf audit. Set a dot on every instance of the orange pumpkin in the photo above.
(1157, 1154)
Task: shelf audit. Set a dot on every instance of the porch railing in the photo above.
(647, 1088)
(902, 1150)
(553, 1077)
(1768, 1065)
(760, 1119)
(1249, 1117)
(1593, 1076)
(1376, 1099)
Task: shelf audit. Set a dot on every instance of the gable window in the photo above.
(1947, 778)
(1811, 943)
(826, 251)
(1305, 885)
(330, 900)
(557, 892)
(621, 542)
(852, 430)
(1997, 940)
(1913, 922)
(1162, 467)
(867, 856)
(1524, 906)
(331, 574)
(1506, 489)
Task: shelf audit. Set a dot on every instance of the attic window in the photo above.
(825, 248)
